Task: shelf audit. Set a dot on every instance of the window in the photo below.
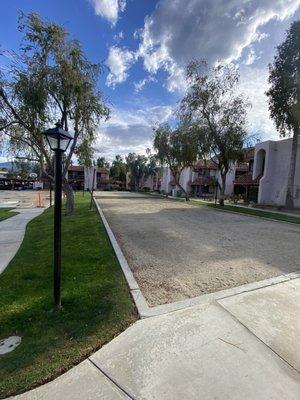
(251, 163)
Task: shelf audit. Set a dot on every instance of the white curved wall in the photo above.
(273, 184)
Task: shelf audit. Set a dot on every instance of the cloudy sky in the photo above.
(146, 44)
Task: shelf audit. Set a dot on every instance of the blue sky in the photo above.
(146, 44)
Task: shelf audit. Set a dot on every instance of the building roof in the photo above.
(79, 168)
(248, 154)
(247, 180)
(243, 167)
(102, 170)
(205, 164)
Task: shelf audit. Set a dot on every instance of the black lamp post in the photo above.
(58, 140)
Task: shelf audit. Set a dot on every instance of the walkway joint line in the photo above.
(253, 334)
(113, 381)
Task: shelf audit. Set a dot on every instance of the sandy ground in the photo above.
(177, 251)
(24, 198)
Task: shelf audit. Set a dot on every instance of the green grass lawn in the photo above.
(96, 301)
(256, 212)
(6, 213)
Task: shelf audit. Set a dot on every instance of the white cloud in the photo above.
(118, 61)
(218, 30)
(176, 80)
(138, 86)
(130, 130)
(156, 114)
(251, 57)
(254, 84)
(259, 36)
(119, 36)
(109, 9)
(215, 30)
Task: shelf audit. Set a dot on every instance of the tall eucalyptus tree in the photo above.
(49, 79)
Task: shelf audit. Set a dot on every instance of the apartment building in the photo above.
(82, 177)
(260, 178)
(243, 183)
(198, 181)
(151, 183)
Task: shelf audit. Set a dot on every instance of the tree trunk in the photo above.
(187, 197)
(289, 201)
(222, 189)
(69, 198)
(142, 181)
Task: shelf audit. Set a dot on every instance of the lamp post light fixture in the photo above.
(58, 140)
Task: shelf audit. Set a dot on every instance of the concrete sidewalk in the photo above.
(12, 231)
(244, 346)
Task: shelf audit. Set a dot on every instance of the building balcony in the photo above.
(202, 181)
(103, 181)
(247, 180)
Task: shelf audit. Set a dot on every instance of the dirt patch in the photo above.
(24, 198)
(177, 251)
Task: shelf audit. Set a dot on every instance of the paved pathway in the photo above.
(12, 232)
(242, 347)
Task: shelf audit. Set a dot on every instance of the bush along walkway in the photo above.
(96, 301)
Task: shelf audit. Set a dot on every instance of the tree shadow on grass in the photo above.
(52, 342)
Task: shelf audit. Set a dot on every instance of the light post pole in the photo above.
(58, 140)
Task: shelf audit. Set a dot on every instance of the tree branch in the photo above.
(12, 109)
(71, 152)
(7, 125)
